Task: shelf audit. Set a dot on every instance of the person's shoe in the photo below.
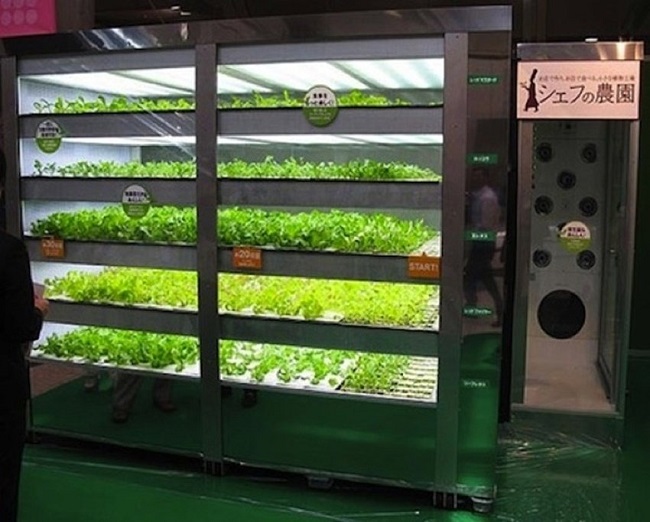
(91, 384)
(166, 406)
(120, 416)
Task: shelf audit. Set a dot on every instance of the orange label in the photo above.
(53, 248)
(424, 267)
(247, 257)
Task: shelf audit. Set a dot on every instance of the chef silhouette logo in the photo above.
(531, 87)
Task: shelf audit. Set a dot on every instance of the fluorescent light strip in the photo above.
(135, 141)
(334, 139)
(264, 139)
(361, 74)
(177, 77)
(299, 76)
(230, 85)
(399, 74)
(107, 83)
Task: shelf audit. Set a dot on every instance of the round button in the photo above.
(589, 153)
(588, 206)
(544, 152)
(566, 180)
(542, 258)
(543, 205)
(586, 259)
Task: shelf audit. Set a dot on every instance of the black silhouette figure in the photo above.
(531, 102)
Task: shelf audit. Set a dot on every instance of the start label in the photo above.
(424, 267)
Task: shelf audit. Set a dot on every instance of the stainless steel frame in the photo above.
(453, 226)
(209, 40)
(378, 24)
(627, 268)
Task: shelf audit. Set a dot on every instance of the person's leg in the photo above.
(91, 382)
(486, 277)
(124, 394)
(12, 441)
(472, 275)
(162, 394)
(493, 290)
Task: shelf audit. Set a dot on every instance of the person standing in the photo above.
(21, 319)
(484, 217)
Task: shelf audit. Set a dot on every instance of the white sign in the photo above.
(136, 201)
(598, 90)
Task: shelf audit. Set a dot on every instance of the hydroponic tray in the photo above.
(299, 263)
(418, 195)
(193, 372)
(268, 329)
(178, 257)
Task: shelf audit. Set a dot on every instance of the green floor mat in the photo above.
(70, 410)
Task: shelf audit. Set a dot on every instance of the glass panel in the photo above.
(573, 314)
(90, 365)
(352, 230)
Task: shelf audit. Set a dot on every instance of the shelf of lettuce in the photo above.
(250, 365)
(369, 72)
(403, 125)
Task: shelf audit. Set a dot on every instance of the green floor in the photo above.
(61, 409)
(538, 479)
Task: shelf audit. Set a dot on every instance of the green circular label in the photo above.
(48, 136)
(136, 201)
(321, 106)
(575, 236)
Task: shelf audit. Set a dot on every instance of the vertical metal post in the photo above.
(627, 269)
(10, 140)
(453, 227)
(522, 267)
(206, 208)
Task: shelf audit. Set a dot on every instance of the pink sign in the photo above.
(23, 17)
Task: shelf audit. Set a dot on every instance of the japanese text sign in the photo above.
(247, 257)
(600, 90)
(52, 248)
(24, 17)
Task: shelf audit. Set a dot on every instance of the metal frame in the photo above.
(362, 25)
(627, 269)
(569, 52)
(210, 41)
(10, 146)
(453, 226)
(417, 195)
(207, 267)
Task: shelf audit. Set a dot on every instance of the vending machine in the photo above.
(578, 112)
